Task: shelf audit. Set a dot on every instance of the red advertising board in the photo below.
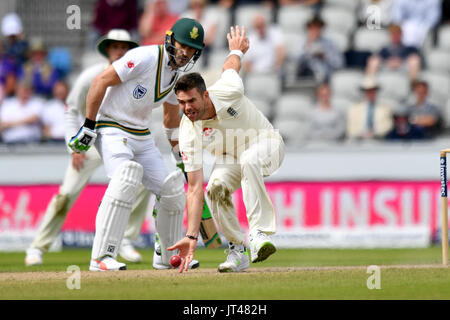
(299, 206)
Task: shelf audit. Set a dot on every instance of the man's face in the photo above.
(183, 54)
(421, 91)
(116, 50)
(371, 94)
(192, 103)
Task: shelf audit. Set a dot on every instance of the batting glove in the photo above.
(85, 137)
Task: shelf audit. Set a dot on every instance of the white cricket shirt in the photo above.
(237, 121)
(147, 82)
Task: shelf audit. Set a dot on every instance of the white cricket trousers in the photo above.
(69, 191)
(260, 160)
(116, 148)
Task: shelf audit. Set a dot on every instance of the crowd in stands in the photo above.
(306, 44)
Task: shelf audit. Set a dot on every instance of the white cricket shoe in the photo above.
(33, 257)
(261, 247)
(128, 252)
(158, 263)
(237, 259)
(107, 264)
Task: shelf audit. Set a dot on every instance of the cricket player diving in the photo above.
(223, 121)
(118, 112)
(82, 166)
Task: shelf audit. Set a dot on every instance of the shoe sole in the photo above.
(98, 269)
(230, 269)
(266, 250)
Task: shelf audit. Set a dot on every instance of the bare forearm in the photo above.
(97, 91)
(94, 99)
(194, 201)
(232, 62)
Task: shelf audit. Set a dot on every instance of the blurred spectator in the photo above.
(155, 21)
(38, 71)
(403, 130)
(15, 44)
(52, 116)
(267, 50)
(395, 56)
(369, 118)
(423, 114)
(114, 14)
(326, 122)
(374, 9)
(9, 73)
(416, 18)
(318, 56)
(20, 116)
(209, 21)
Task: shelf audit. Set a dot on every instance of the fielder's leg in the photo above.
(261, 159)
(224, 180)
(113, 214)
(55, 215)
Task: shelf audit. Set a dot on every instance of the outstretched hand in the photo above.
(237, 40)
(186, 248)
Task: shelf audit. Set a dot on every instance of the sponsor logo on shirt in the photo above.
(139, 92)
(207, 131)
(232, 112)
(130, 64)
(184, 157)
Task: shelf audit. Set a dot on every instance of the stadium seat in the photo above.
(293, 18)
(393, 85)
(370, 40)
(292, 41)
(245, 13)
(344, 4)
(217, 57)
(339, 19)
(342, 103)
(439, 86)
(264, 106)
(293, 106)
(223, 25)
(263, 86)
(339, 38)
(293, 131)
(438, 60)
(345, 83)
(443, 37)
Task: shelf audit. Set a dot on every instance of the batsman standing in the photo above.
(82, 166)
(118, 111)
(247, 148)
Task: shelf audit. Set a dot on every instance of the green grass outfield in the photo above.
(313, 274)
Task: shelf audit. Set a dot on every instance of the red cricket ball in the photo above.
(175, 261)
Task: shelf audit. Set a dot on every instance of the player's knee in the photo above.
(173, 197)
(125, 182)
(220, 193)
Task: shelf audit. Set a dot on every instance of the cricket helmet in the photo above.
(188, 32)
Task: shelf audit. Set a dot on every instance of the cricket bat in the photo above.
(208, 230)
